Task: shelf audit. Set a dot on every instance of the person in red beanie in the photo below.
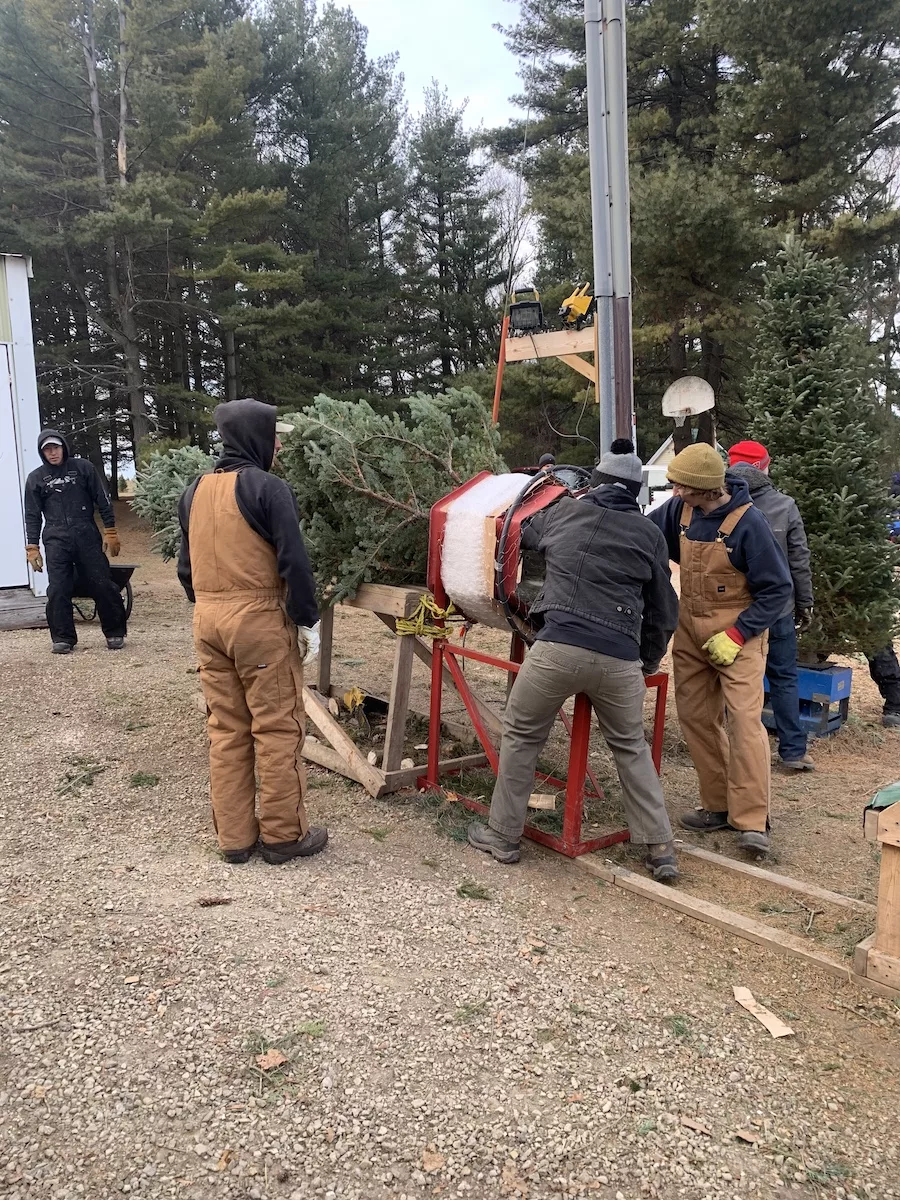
(750, 461)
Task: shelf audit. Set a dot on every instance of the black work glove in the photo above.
(803, 619)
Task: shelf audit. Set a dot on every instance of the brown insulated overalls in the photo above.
(251, 674)
(731, 759)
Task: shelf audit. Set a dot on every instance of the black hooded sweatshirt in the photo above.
(63, 497)
(267, 504)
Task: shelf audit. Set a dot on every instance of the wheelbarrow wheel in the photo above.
(129, 598)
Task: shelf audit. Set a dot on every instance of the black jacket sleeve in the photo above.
(660, 608)
(798, 559)
(533, 529)
(667, 518)
(184, 554)
(268, 506)
(34, 510)
(98, 494)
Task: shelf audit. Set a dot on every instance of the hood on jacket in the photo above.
(757, 481)
(45, 435)
(740, 494)
(612, 495)
(247, 429)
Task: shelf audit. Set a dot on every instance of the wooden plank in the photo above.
(887, 919)
(389, 601)
(326, 756)
(861, 954)
(326, 649)
(581, 365)
(422, 651)
(550, 345)
(407, 776)
(870, 825)
(722, 918)
(782, 881)
(889, 825)
(883, 968)
(398, 705)
(765, 1016)
(371, 778)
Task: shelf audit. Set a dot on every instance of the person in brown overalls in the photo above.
(244, 566)
(735, 584)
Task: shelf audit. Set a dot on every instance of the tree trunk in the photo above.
(114, 449)
(231, 368)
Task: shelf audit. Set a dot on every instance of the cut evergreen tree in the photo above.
(365, 481)
(158, 489)
(813, 405)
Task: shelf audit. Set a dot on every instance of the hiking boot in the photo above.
(482, 837)
(115, 643)
(754, 841)
(703, 821)
(660, 861)
(891, 720)
(790, 765)
(238, 856)
(314, 842)
(61, 648)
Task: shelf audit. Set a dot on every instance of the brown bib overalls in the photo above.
(731, 760)
(251, 674)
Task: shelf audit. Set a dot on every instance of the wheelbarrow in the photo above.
(121, 576)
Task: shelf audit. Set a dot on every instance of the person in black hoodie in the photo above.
(244, 566)
(607, 611)
(62, 494)
(735, 585)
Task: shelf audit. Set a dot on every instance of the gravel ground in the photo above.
(555, 1037)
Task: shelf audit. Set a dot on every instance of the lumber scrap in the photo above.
(782, 881)
(354, 763)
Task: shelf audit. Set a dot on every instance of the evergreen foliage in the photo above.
(159, 486)
(365, 480)
(813, 406)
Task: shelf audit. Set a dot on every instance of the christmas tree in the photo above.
(813, 405)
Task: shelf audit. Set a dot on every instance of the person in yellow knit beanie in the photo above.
(735, 584)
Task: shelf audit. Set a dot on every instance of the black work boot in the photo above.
(314, 842)
(115, 643)
(61, 648)
(754, 841)
(703, 821)
(891, 720)
(482, 837)
(238, 856)
(660, 861)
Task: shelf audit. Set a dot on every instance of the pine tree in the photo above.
(812, 404)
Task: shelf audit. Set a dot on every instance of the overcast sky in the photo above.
(452, 41)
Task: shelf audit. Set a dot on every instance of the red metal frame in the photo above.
(570, 842)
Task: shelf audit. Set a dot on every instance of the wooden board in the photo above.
(553, 344)
(382, 599)
(407, 776)
(889, 826)
(326, 650)
(581, 365)
(370, 777)
(398, 705)
(887, 919)
(326, 756)
(21, 609)
(782, 881)
(883, 968)
(861, 954)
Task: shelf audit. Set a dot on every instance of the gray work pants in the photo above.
(551, 674)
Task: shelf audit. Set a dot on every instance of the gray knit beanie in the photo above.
(620, 465)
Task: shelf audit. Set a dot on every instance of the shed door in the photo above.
(13, 564)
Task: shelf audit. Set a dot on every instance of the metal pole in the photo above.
(604, 343)
(620, 210)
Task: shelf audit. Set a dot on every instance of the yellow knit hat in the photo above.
(698, 466)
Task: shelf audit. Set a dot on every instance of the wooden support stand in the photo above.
(877, 958)
(330, 746)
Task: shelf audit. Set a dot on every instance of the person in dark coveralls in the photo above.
(607, 611)
(244, 566)
(63, 493)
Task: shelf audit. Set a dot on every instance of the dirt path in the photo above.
(553, 1038)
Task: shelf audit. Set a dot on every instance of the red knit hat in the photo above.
(753, 453)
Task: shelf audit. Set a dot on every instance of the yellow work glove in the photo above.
(723, 648)
(111, 543)
(33, 554)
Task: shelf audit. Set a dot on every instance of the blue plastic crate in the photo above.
(824, 699)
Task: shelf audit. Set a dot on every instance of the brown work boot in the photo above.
(482, 837)
(660, 861)
(314, 842)
(703, 821)
(791, 765)
(754, 841)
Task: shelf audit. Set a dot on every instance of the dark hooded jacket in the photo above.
(64, 498)
(752, 550)
(783, 515)
(608, 586)
(267, 504)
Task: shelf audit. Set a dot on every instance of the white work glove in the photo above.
(308, 642)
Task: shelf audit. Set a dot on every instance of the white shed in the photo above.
(19, 427)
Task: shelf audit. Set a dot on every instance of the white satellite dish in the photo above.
(686, 398)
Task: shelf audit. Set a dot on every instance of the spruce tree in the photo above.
(813, 405)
